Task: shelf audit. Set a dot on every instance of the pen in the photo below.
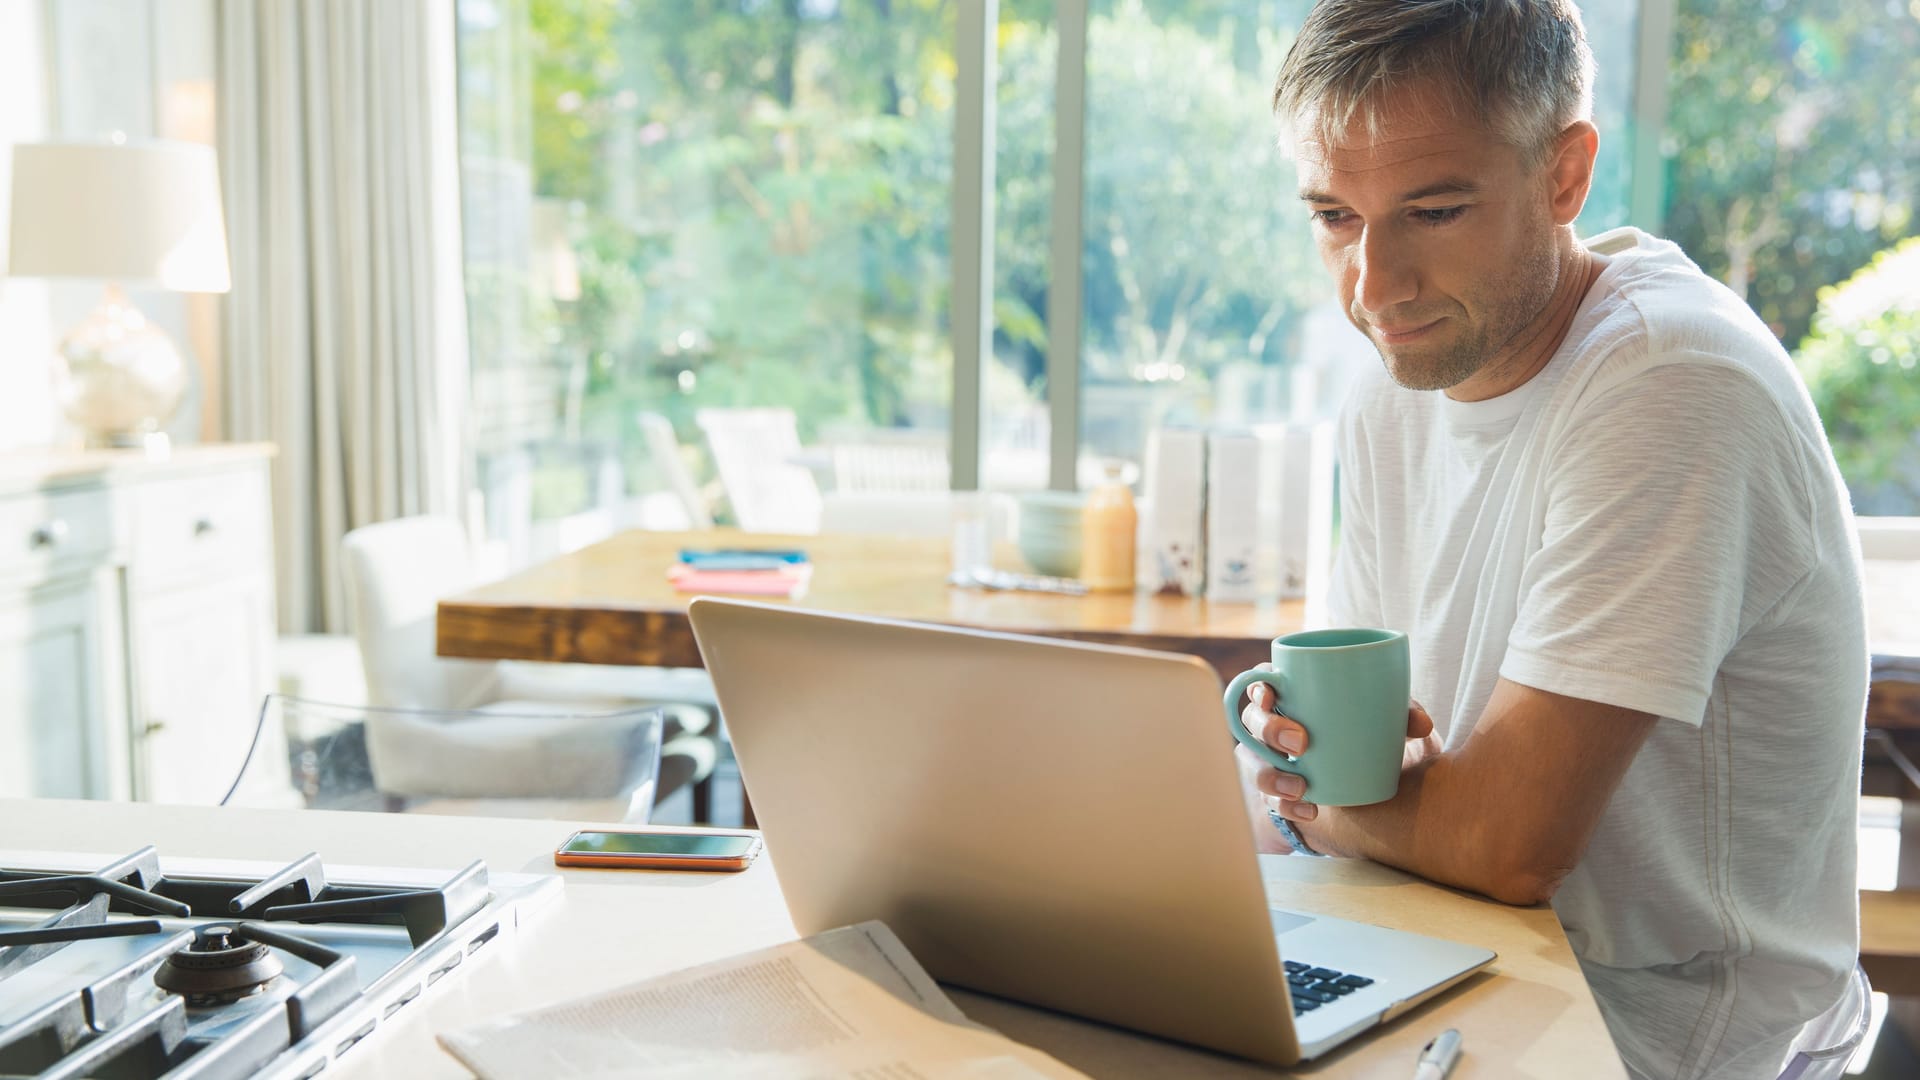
(1438, 1057)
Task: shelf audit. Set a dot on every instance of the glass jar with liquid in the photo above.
(1107, 528)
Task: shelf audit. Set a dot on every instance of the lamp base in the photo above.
(117, 376)
(157, 445)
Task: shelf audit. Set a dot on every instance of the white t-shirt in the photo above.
(1654, 521)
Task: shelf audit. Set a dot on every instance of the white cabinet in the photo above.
(203, 668)
(63, 708)
(136, 624)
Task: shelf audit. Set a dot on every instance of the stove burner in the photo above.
(217, 967)
(207, 989)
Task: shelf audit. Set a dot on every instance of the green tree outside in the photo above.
(1862, 366)
(1792, 144)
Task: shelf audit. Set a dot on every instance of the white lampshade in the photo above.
(144, 213)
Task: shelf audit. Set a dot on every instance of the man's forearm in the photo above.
(1508, 812)
(1437, 826)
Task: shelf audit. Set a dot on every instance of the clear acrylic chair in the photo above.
(397, 571)
(561, 763)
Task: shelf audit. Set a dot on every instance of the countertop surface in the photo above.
(35, 468)
(1530, 1016)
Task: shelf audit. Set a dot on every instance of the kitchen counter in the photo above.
(37, 468)
(1531, 1017)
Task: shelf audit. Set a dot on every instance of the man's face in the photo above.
(1441, 239)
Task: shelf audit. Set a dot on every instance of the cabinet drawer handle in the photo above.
(48, 536)
(202, 526)
(154, 727)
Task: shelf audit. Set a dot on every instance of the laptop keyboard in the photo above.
(1311, 987)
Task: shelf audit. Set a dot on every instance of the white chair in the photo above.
(914, 465)
(663, 449)
(396, 573)
(754, 451)
(908, 513)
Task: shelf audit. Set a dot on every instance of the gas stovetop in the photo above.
(204, 969)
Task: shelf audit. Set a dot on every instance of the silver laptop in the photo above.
(1056, 823)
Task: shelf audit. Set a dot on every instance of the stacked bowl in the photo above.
(1049, 531)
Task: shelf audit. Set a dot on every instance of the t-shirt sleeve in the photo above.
(1353, 593)
(1677, 516)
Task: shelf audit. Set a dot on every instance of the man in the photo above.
(1592, 491)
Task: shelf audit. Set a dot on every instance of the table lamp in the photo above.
(127, 213)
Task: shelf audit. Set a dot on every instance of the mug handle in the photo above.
(1240, 733)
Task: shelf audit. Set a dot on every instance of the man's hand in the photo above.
(1282, 790)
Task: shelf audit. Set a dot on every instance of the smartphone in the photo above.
(608, 849)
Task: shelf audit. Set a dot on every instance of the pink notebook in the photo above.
(790, 581)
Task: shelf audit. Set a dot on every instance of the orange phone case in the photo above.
(608, 861)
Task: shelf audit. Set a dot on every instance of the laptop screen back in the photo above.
(1056, 823)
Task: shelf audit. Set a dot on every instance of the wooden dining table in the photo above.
(612, 603)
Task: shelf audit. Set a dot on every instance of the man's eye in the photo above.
(1438, 216)
(1331, 217)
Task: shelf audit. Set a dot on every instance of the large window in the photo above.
(680, 205)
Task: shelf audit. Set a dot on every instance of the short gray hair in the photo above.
(1522, 67)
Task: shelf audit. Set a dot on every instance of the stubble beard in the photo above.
(1510, 304)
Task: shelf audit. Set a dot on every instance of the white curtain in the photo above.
(346, 328)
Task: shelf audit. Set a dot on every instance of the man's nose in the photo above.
(1384, 277)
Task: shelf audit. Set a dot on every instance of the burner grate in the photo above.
(84, 921)
(25, 889)
(298, 892)
(217, 970)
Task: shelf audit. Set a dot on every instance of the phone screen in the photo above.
(684, 844)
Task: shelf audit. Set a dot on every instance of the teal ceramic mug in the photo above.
(1350, 689)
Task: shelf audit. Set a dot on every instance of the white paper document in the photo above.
(848, 1004)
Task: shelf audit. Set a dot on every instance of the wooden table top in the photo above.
(611, 603)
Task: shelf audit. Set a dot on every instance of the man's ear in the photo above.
(1569, 170)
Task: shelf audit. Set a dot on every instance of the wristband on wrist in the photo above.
(1293, 835)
